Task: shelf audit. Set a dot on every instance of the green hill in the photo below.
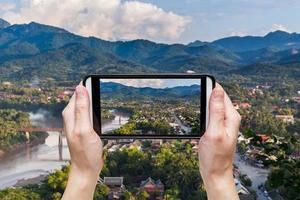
(38, 50)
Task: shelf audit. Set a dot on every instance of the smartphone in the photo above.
(162, 106)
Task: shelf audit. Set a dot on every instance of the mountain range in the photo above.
(118, 90)
(52, 53)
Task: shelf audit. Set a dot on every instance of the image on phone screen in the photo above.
(150, 106)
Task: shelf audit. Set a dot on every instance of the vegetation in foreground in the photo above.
(183, 183)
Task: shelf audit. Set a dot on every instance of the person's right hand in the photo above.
(217, 147)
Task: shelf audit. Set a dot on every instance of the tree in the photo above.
(172, 194)
(142, 195)
(19, 194)
(128, 196)
(261, 120)
(183, 165)
(285, 178)
(101, 192)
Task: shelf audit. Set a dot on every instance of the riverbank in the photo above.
(31, 164)
(35, 180)
(20, 147)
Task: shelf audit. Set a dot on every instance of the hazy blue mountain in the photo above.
(269, 71)
(70, 62)
(26, 40)
(3, 23)
(197, 43)
(292, 57)
(269, 54)
(122, 91)
(277, 39)
(42, 50)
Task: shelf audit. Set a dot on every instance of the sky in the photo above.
(155, 83)
(167, 21)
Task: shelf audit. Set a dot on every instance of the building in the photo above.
(241, 138)
(296, 99)
(7, 84)
(116, 187)
(154, 188)
(295, 155)
(136, 144)
(236, 105)
(286, 118)
(156, 143)
(264, 138)
(245, 105)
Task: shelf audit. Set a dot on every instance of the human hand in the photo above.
(85, 147)
(217, 147)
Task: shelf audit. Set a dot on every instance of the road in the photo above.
(257, 175)
(182, 126)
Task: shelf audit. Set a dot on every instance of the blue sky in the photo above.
(213, 19)
(170, 21)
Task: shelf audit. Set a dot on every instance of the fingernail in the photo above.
(79, 91)
(218, 94)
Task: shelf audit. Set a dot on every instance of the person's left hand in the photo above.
(85, 147)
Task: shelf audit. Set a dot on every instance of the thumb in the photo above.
(82, 110)
(216, 110)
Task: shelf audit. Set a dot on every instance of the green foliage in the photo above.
(18, 194)
(101, 192)
(53, 185)
(285, 178)
(128, 195)
(172, 194)
(129, 163)
(160, 127)
(263, 121)
(176, 157)
(142, 196)
(125, 129)
(10, 121)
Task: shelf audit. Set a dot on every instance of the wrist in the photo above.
(220, 186)
(85, 172)
(81, 184)
(86, 177)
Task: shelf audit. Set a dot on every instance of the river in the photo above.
(43, 158)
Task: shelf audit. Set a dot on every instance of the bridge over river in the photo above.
(49, 130)
(36, 160)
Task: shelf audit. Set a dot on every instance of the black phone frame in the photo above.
(95, 84)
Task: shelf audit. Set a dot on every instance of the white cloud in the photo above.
(5, 6)
(294, 51)
(154, 83)
(107, 19)
(280, 27)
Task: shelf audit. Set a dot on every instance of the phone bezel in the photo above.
(93, 86)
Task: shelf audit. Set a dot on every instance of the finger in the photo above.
(82, 110)
(216, 110)
(232, 117)
(68, 115)
(229, 108)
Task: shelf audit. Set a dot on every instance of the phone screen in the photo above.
(150, 106)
